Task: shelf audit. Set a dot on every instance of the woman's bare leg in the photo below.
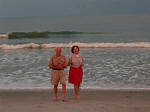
(76, 89)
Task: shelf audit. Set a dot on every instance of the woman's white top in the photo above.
(76, 60)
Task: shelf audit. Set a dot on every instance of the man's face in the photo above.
(58, 51)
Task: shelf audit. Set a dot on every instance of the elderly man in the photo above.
(57, 64)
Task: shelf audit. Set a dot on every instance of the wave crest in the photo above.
(82, 45)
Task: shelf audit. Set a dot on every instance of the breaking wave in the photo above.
(20, 35)
(82, 45)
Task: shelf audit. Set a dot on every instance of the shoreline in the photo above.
(92, 100)
(83, 88)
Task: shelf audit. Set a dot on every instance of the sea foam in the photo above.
(82, 45)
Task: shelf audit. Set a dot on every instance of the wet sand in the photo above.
(92, 100)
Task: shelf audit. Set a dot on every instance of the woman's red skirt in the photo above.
(75, 75)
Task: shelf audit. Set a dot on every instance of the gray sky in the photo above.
(13, 8)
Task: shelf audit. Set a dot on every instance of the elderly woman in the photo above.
(76, 63)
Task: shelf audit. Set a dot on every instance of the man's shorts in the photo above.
(58, 76)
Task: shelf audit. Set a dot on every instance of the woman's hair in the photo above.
(72, 49)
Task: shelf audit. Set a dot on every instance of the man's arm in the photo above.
(51, 63)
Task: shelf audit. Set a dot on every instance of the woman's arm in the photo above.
(82, 62)
(69, 62)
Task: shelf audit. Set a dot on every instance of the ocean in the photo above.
(116, 50)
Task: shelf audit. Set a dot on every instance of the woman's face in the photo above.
(76, 50)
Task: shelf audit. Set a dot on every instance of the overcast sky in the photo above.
(15, 8)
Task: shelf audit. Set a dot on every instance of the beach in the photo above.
(92, 100)
(116, 51)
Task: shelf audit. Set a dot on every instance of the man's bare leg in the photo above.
(55, 92)
(63, 92)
